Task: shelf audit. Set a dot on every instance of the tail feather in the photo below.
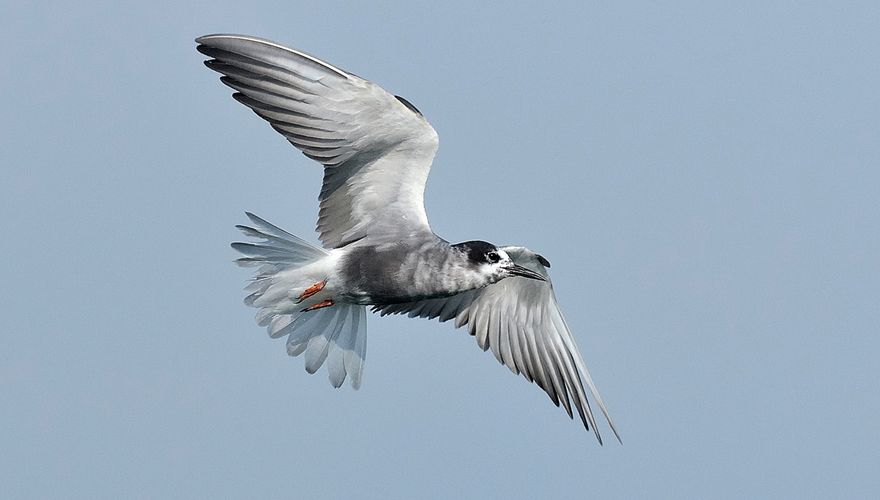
(335, 358)
(349, 354)
(336, 335)
(296, 349)
(355, 348)
(278, 247)
(319, 345)
(278, 323)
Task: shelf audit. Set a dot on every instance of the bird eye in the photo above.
(493, 257)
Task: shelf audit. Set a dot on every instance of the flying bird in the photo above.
(378, 248)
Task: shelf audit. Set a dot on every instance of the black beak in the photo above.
(525, 273)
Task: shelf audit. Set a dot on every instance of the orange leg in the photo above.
(319, 305)
(317, 287)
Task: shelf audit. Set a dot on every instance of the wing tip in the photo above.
(206, 39)
(614, 430)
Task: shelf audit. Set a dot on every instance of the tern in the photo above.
(378, 248)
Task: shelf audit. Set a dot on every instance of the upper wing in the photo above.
(377, 148)
(520, 321)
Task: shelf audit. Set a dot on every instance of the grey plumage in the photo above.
(379, 250)
(406, 271)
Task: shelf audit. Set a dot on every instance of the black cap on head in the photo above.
(478, 251)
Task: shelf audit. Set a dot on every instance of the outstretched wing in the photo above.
(376, 148)
(520, 321)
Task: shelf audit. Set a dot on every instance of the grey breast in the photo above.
(400, 271)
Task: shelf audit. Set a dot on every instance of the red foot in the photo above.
(317, 287)
(319, 305)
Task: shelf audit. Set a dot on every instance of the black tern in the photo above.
(378, 249)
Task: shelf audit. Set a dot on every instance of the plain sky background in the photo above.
(704, 177)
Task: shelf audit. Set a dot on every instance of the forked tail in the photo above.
(286, 266)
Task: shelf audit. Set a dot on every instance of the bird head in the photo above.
(494, 263)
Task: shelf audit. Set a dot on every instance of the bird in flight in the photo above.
(378, 249)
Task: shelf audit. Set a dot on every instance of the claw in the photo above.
(317, 287)
(319, 305)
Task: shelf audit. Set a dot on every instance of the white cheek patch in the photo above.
(492, 272)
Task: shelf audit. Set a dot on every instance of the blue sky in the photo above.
(703, 177)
